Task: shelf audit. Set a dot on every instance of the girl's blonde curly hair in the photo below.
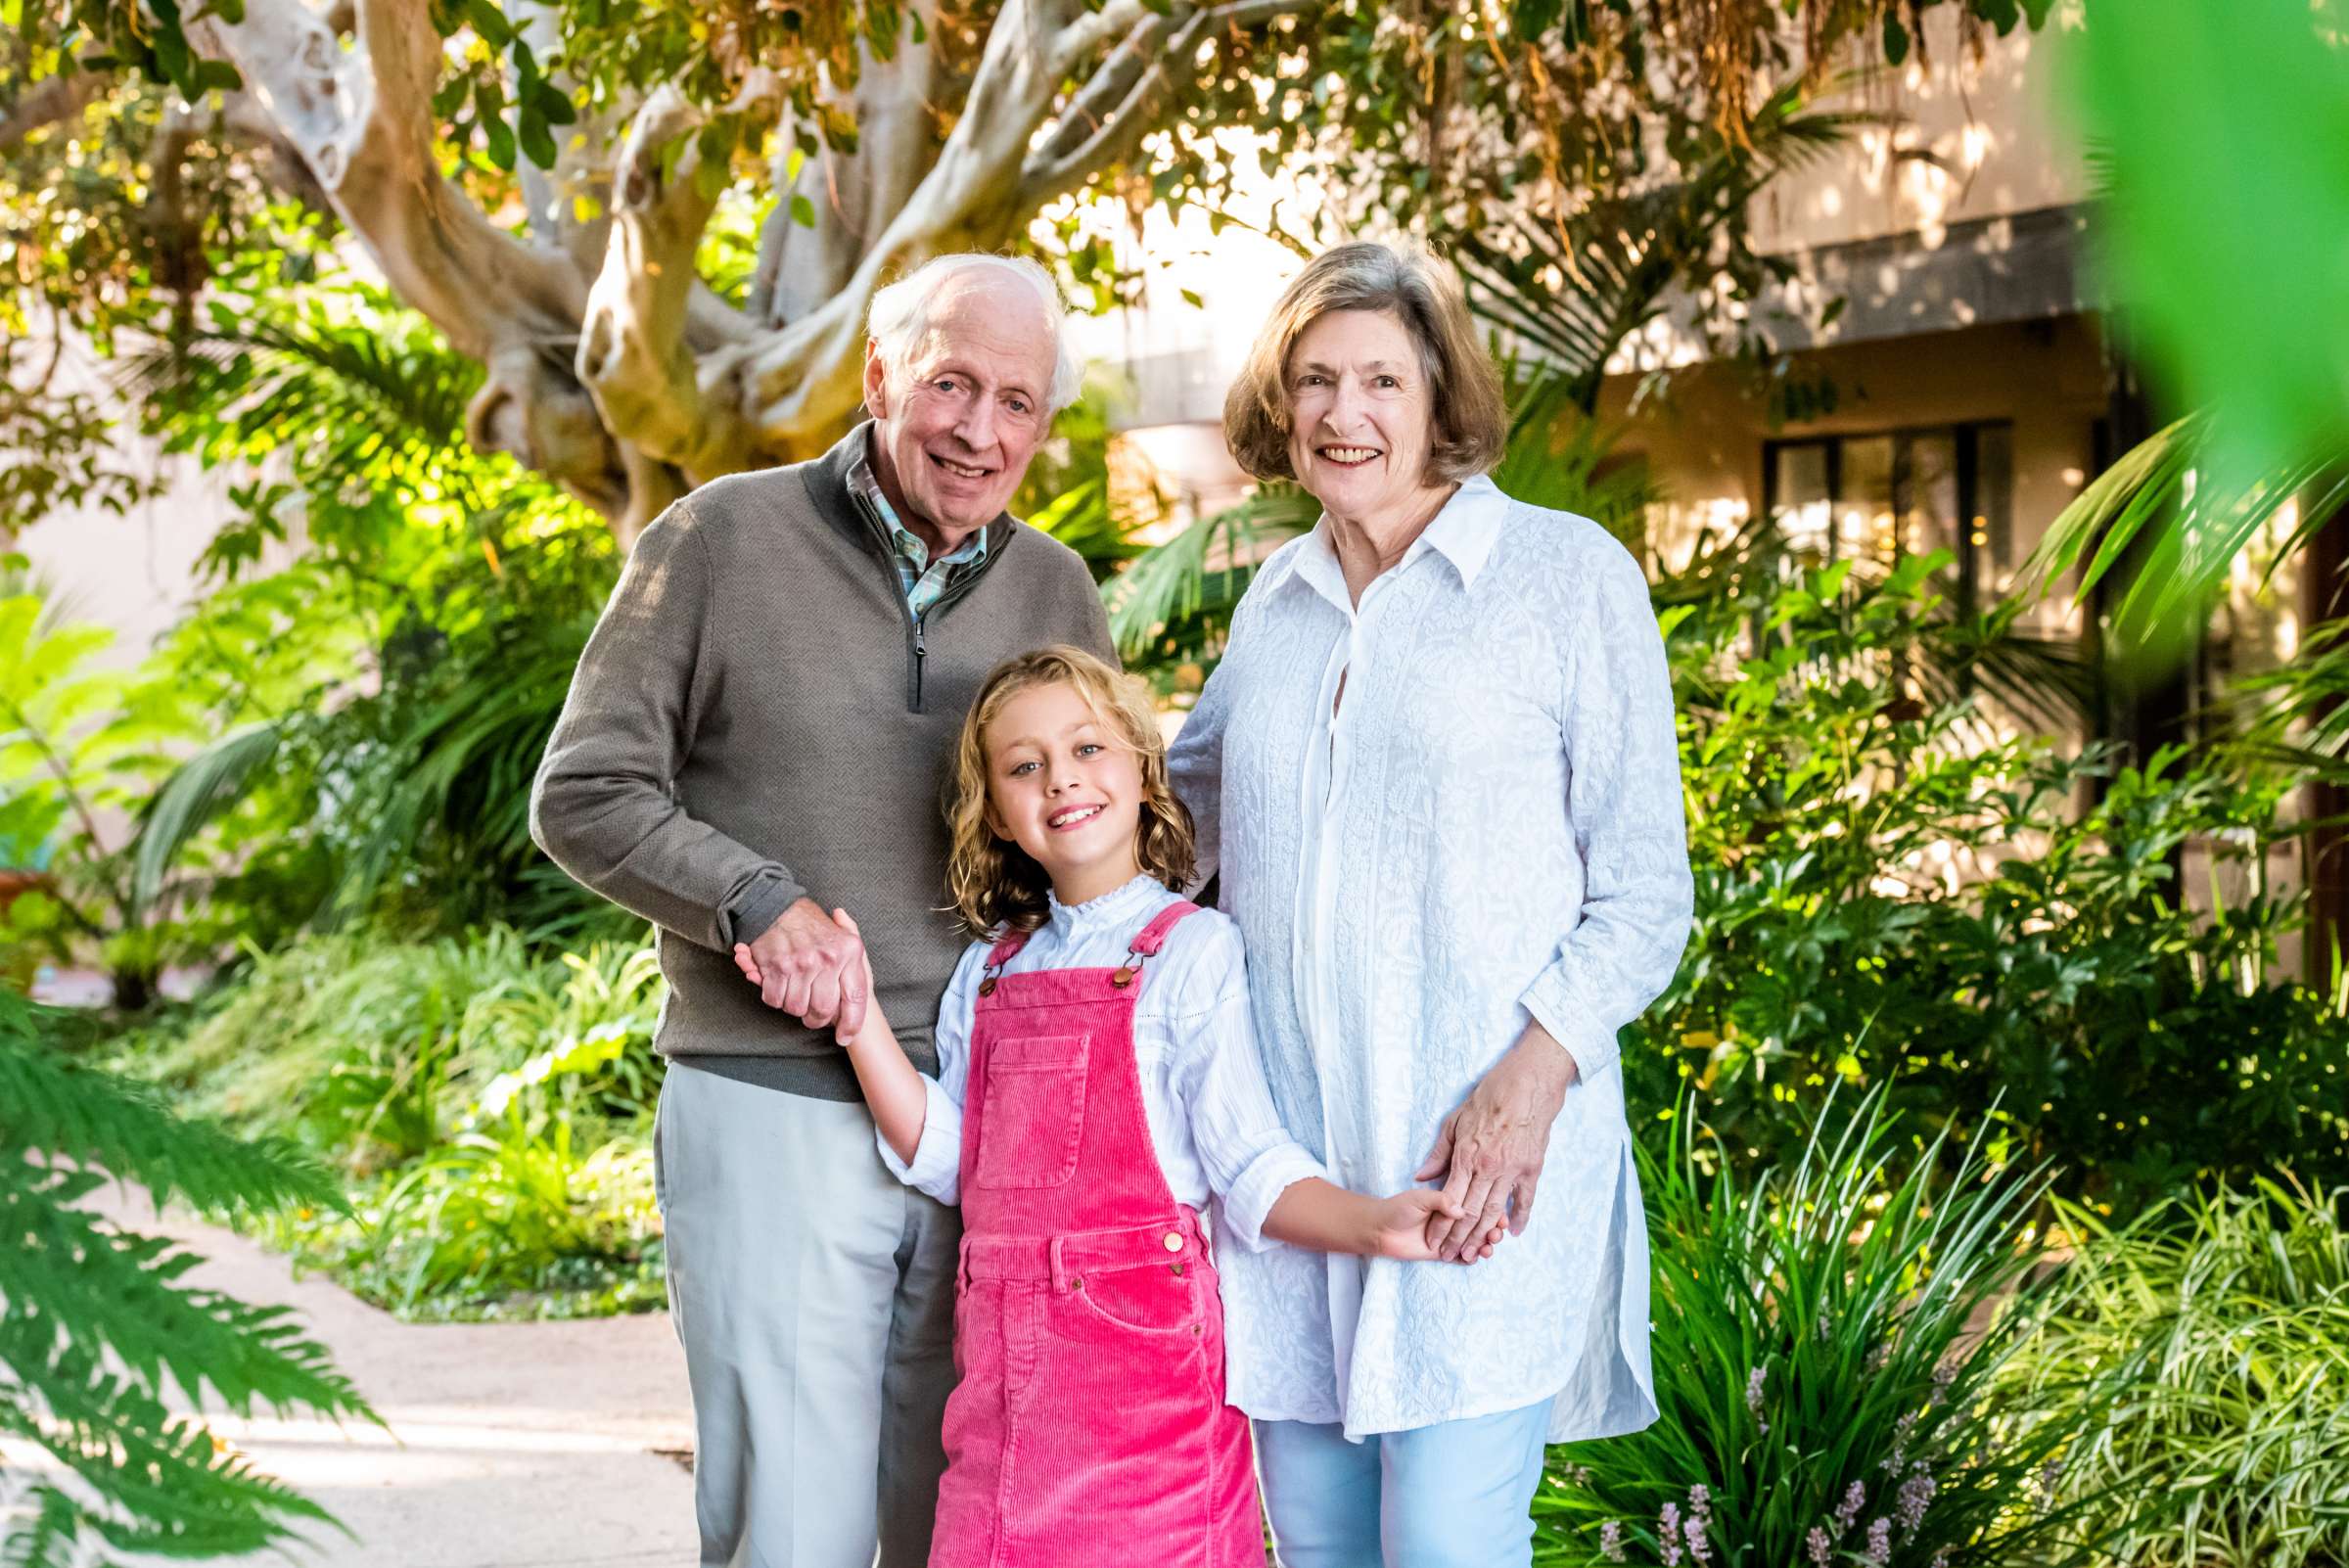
(994, 883)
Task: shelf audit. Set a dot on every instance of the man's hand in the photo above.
(1489, 1152)
(811, 966)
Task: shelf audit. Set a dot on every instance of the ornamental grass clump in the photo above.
(1828, 1340)
(2228, 1314)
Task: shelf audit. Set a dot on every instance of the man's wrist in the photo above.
(755, 912)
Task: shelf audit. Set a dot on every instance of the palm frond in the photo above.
(2045, 679)
(2171, 515)
(459, 772)
(200, 789)
(2298, 714)
(1573, 293)
(349, 392)
(1560, 459)
(1201, 570)
(1081, 518)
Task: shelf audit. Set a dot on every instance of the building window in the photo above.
(1904, 492)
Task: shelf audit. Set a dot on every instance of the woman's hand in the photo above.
(1406, 1225)
(1489, 1152)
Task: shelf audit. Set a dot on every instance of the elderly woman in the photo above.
(1437, 771)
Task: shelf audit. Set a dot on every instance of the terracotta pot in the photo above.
(14, 884)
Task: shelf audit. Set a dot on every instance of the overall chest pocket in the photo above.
(1034, 1111)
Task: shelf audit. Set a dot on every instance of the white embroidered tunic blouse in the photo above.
(1486, 829)
(1211, 1120)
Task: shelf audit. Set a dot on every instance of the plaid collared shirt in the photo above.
(923, 579)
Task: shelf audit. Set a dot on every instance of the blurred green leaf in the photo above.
(2227, 130)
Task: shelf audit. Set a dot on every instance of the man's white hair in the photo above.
(900, 313)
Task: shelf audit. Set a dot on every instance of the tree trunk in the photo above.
(612, 367)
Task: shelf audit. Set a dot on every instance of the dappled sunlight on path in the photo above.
(510, 1445)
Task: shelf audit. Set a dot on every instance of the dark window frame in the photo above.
(1965, 436)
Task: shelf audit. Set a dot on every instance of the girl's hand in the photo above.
(841, 918)
(1410, 1224)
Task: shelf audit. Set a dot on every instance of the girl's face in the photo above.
(1066, 787)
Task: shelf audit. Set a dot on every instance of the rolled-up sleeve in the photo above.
(1625, 809)
(1219, 1082)
(937, 1164)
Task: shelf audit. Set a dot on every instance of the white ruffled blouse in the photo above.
(1486, 831)
(1212, 1122)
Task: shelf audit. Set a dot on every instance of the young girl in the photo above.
(1097, 1080)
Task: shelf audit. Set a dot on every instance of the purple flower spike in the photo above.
(1916, 1497)
(1855, 1498)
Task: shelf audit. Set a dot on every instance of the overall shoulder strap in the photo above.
(1006, 948)
(1154, 934)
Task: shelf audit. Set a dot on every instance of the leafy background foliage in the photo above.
(1956, 995)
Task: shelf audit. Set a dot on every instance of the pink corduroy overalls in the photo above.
(1089, 1426)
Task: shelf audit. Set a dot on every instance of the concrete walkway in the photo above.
(511, 1444)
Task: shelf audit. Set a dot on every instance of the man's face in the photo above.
(953, 430)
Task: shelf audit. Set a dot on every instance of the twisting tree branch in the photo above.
(611, 366)
(633, 353)
(361, 119)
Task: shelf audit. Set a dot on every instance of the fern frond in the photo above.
(51, 1104)
(46, 1537)
(100, 1291)
(157, 1483)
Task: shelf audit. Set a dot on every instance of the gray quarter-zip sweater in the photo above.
(760, 717)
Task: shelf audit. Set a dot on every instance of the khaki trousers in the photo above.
(815, 1294)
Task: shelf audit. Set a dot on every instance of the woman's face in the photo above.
(1360, 421)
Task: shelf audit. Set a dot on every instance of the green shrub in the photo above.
(491, 1108)
(96, 1327)
(1828, 1343)
(1893, 890)
(2229, 1316)
(371, 1049)
(498, 1225)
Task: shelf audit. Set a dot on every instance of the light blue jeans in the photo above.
(1456, 1494)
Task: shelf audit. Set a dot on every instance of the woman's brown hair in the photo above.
(993, 883)
(1464, 398)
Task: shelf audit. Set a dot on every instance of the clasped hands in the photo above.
(1487, 1154)
(811, 965)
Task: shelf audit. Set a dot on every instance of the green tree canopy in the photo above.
(657, 225)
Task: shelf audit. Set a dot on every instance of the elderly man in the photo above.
(759, 733)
